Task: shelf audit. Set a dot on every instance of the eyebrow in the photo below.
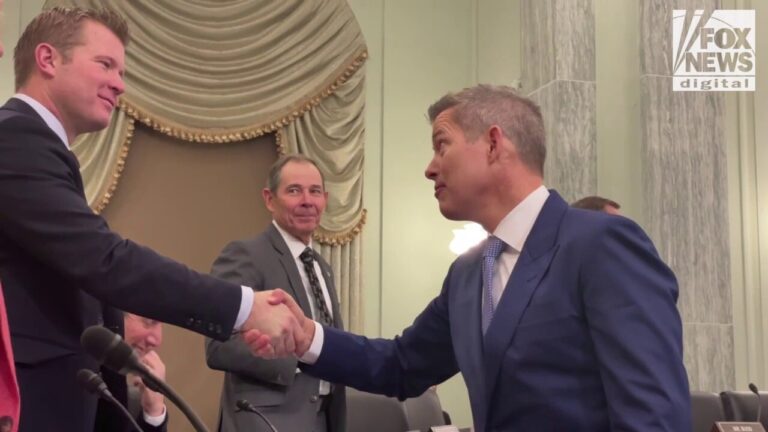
(315, 185)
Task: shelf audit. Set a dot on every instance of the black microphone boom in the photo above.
(94, 384)
(244, 405)
(759, 402)
(110, 349)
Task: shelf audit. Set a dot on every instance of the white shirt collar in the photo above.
(53, 123)
(295, 245)
(517, 224)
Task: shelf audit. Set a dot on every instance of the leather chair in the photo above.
(367, 412)
(743, 406)
(424, 411)
(706, 409)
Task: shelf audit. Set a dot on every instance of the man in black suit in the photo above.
(61, 266)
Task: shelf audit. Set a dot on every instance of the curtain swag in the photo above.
(207, 72)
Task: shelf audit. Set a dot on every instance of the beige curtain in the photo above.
(217, 72)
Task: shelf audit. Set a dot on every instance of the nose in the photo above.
(431, 171)
(118, 85)
(155, 337)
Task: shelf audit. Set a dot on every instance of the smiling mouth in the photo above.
(439, 190)
(108, 101)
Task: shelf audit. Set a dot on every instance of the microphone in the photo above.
(753, 388)
(244, 405)
(110, 350)
(94, 384)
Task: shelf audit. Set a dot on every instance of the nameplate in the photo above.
(446, 428)
(738, 427)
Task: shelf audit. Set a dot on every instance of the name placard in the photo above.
(738, 427)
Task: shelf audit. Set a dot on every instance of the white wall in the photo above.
(17, 14)
(419, 50)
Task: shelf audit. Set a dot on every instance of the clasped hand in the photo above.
(277, 326)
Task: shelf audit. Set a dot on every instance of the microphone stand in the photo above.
(753, 388)
(110, 350)
(159, 385)
(244, 405)
(94, 384)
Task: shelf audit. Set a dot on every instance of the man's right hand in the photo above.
(272, 329)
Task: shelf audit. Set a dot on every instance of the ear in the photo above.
(495, 142)
(267, 195)
(47, 59)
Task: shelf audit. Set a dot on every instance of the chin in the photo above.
(451, 213)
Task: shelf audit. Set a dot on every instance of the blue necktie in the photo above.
(493, 248)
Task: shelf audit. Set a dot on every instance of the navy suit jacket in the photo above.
(61, 266)
(586, 336)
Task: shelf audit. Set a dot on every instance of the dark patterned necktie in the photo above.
(308, 258)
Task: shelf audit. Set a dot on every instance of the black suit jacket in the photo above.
(59, 262)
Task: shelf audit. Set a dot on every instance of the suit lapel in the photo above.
(468, 301)
(297, 289)
(22, 107)
(534, 261)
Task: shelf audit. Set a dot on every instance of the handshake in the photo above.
(277, 326)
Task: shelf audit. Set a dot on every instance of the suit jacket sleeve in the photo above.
(402, 367)
(45, 213)
(629, 296)
(236, 265)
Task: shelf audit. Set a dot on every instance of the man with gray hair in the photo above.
(282, 256)
(561, 320)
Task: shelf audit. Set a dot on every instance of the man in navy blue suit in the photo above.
(574, 328)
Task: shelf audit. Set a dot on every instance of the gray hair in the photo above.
(475, 109)
(273, 181)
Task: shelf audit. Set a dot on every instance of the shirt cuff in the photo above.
(155, 420)
(316, 347)
(246, 304)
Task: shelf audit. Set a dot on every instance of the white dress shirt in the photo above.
(513, 230)
(296, 247)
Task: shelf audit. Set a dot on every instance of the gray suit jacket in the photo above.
(288, 399)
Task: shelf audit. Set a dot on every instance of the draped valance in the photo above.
(215, 71)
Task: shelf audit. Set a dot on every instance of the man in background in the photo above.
(145, 336)
(147, 407)
(599, 204)
(61, 266)
(282, 256)
(562, 320)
